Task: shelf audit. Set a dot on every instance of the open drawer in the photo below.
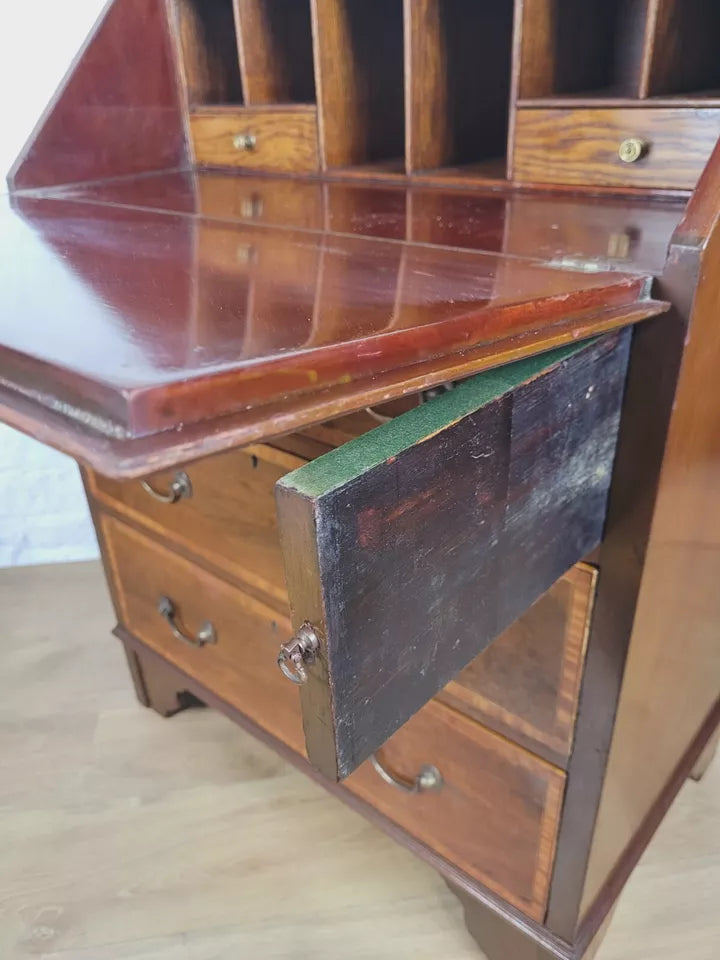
(411, 548)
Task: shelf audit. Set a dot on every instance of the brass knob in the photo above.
(427, 778)
(301, 650)
(179, 488)
(632, 150)
(244, 141)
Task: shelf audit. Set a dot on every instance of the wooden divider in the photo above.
(276, 54)
(206, 34)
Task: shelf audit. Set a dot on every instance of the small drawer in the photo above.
(626, 147)
(223, 510)
(527, 684)
(230, 640)
(496, 813)
(257, 138)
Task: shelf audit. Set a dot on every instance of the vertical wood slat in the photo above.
(207, 43)
(457, 72)
(683, 49)
(359, 80)
(275, 48)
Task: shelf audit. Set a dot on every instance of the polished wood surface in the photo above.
(168, 352)
(137, 119)
(241, 666)
(284, 138)
(229, 521)
(678, 588)
(581, 146)
(527, 683)
(376, 536)
(509, 848)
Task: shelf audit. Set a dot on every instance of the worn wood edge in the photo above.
(298, 535)
(530, 928)
(130, 458)
(703, 210)
(364, 453)
(611, 889)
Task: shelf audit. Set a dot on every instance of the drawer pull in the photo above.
(179, 488)
(632, 150)
(429, 778)
(244, 141)
(206, 634)
(297, 652)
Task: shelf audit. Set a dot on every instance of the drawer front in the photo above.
(496, 814)
(411, 548)
(240, 665)
(229, 518)
(526, 685)
(583, 146)
(257, 138)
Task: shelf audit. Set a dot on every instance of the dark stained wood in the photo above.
(571, 48)
(685, 552)
(509, 848)
(359, 79)
(411, 548)
(457, 82)
(706, 758)
(581, 146)
(134, 114)
(686, 55)
(155, 687)
(240, 668)
(527, 683)
(229, 521)
(276, 54)
(209, 52)
(187, 350)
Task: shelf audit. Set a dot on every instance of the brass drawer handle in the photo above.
(179, 488)
(297, 652)
(206, 634)
(244, 141)
(633, 149)
(428, 778)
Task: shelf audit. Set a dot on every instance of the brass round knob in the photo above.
(632, 150)
(244, 141)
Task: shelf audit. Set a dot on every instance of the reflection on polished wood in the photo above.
(171, 319)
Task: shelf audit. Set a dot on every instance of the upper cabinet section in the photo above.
(622, 95)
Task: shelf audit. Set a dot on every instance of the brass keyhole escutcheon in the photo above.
(632, 150)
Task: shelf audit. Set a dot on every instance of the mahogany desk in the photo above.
(385, 336)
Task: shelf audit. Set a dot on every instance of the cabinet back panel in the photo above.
(206, 30)
(359, 64)
(686, 54)
(276, 55)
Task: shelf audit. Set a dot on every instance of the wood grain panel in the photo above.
(276, 56)
(286, 138)
(497, 814)
(526, 685)
(240, 668)
(686, 52)
(669, 691)
(230, 519)
(359, 78)
(581, 146)
(457, 81)
(210, 64)
(413, 547)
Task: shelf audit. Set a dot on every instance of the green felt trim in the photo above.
(353, 459)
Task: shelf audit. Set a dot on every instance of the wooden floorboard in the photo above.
(126, 836)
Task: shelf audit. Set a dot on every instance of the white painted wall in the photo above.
(43, 514)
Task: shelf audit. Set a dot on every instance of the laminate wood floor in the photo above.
(126, 836)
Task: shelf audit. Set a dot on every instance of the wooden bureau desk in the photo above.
(386, 338)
